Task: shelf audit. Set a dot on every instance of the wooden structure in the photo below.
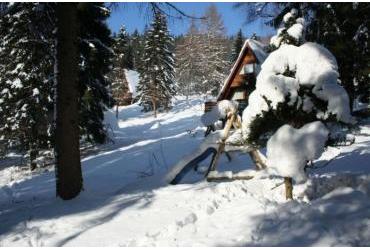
(242, 78)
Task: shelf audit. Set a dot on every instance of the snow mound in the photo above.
(289, 149)
(219, 111)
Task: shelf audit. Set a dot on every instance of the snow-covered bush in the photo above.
(297, 85)
(300, 145)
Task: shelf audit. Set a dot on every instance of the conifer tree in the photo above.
(137, 47)
(344, 29)
(95, 60)
(120, 63)
(26, 78)
(27, 74)
(237, 46)
(157, 86)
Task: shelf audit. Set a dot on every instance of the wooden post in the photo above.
(221, 147)
(258, 159)
(288, 188)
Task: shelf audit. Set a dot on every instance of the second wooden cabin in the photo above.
(242, 78)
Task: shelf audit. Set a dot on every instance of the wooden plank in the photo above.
(225, 178)
(221, 146)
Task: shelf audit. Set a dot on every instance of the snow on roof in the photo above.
(132, 77)
(258, 51)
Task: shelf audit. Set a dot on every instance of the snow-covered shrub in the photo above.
(300, 145)
(297, 85)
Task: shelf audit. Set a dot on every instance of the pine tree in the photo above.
(26, 78)
(237, 46)
(344, 29)
(95, 60)
(298, 106)
(27, 92)
(137, 48)
(285, 97)
(120, 63)
(157, 86)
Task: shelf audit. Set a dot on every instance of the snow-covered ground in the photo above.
(127, 203)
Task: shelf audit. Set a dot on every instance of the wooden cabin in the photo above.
(242, 78)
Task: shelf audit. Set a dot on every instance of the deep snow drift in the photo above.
(126, 202)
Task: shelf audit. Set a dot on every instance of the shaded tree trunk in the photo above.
(154, 107)
(33, 155)
(67, 146)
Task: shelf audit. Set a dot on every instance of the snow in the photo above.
(296, 31)
(132, 77)
(258, 50)
(126, 203)
(17, 83)
(287, 16)
(289, 149)
(219, 111)
(35, 92)
(312, 65)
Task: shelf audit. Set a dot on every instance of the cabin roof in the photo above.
(258, 51)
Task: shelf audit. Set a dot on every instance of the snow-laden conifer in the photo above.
(157, 85)
(297, 86)
(26, 77)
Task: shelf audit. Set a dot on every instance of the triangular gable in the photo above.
(258, 51)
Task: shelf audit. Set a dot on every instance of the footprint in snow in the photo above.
(190, 219)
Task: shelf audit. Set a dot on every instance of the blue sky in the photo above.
(134, 16)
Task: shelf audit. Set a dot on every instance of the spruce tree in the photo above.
(237, 46)
(95, 60)
(344, 29)
(137, 48)
(157, 85)
(120, 63)
(26, 78)
(287, 95)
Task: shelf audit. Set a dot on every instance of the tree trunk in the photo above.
(154, 107)
(67, 145)
(288, 188)
(117, 111)
(33, 155)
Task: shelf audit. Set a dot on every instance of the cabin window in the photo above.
(238, 95)
(249, 68)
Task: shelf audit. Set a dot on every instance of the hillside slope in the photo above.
(127, 203)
